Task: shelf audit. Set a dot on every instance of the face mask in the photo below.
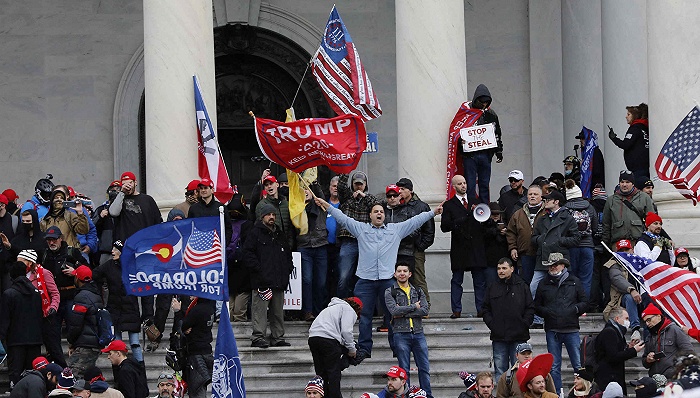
(567, 172)
(111, 195)
(284, 191)
(626, 323)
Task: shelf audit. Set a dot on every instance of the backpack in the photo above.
(583, 220)
(588, 356)
(105, 327)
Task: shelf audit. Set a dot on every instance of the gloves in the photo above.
(612, 134)
(499, 157)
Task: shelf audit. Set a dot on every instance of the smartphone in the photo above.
(659, 355)
(69, 204)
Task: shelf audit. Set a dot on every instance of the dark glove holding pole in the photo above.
(499, 157)
(611, 133)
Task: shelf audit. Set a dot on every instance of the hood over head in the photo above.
(481, 91)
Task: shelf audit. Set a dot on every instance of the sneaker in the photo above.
(382, 328)
(260, 343)
(281, 343)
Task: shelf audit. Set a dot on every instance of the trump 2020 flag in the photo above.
(211, 164)
(227, 376)
(675, 289)
(590, 143)
(339, 71)
(178, 257)
(679, 160)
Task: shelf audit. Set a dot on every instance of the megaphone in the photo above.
(482, 212)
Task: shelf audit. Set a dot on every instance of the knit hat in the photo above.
(315, 385)
(660, 380)
(356, 300)
(65, 379)
(118, 245)
(626, 175)
(265, 209)
(613, 390)
(650, 310)
(599, 192)
(584, 374)
(573, 192)
(652, 217)
(170, 378)
(469, 380)
(405, 183)
(29, 255)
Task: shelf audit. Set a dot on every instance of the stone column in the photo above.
(546, 105)
(625, 77)
(178, 43)
(674, 88)
(582, 67)
(431, 84)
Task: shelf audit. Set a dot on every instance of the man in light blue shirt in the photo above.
(378, 245)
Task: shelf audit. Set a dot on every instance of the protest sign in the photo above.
(292, 294)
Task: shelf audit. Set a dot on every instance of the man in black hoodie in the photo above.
(81, 323)
(21, 318)
(130, 378)
(196, 326)
(477, 163)
(29, 235)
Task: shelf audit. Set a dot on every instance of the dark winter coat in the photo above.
(355, 208)
(202, 209)
(611, 352)
(200, 318)
(635, 145)
(318, 234)
(621, 222)
(53, 261)
(426, 234)
(495, 243)
(81, 319)
(31, 385)
(467, 237)
(124, 309)
(581, 204)
(560, 302)
(23, 241)
(489, 116)
(598, 172)
(508, 309)
(131, 379)
(510, 203)
(399, 214)
(21, 314)
(670, 340)
(267, 255)
(105, 228)
(554, 234)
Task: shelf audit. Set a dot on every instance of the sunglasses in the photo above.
(392, 196)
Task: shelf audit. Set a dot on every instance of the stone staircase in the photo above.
(455, 345)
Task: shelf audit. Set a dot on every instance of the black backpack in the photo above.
(588, 354)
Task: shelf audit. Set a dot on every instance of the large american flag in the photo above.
(679, 160)
(676, 289)
(339, 71)
(203, 248)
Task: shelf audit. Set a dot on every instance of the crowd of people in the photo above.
(538, 261)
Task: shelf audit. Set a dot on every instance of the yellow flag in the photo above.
(297, 198)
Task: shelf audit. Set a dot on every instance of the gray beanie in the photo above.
(266, 208)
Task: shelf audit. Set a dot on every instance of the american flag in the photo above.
(676, 289)
(203, 248)
(679, 160)
(339, 71)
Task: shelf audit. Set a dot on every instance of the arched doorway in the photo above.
(259, 70)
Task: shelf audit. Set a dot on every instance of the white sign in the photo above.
(292, 294)
(477, 138)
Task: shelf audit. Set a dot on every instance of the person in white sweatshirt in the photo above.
(331, 341)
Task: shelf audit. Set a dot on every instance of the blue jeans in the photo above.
(582, 266)
(632, 310)
(407, 343)
(136, 348)
(347, 263)
(479, 279)
(572, 341)
(478, 166)
(372, 293)
(314, 269)
(537, 277)
(527, 267)
(503, 356)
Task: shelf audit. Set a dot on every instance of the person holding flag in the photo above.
(592, 162)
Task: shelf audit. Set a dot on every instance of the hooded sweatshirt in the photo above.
(336, 322)
(489, 116)
(24, 241)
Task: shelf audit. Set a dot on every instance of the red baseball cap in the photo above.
(270, 178)
(396, 371)
(682, 250)
(40, 363)
(3, 199)
(83, 273)
(127, 175)
(115, 183)
(10, 194)
(71, 192)
(392, 187)
(623, 244)
(206, 182)
(116, 345)
(192, 186)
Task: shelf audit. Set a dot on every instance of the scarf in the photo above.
(41, 286)
(192, 304)
(640, 121)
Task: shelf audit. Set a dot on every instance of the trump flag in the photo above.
(227, 376)
(179, 257)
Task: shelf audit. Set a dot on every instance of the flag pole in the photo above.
(223, 251)
(642, 285)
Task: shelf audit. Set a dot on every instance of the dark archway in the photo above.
(259, 70)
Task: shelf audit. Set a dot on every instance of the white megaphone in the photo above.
(482, 212)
